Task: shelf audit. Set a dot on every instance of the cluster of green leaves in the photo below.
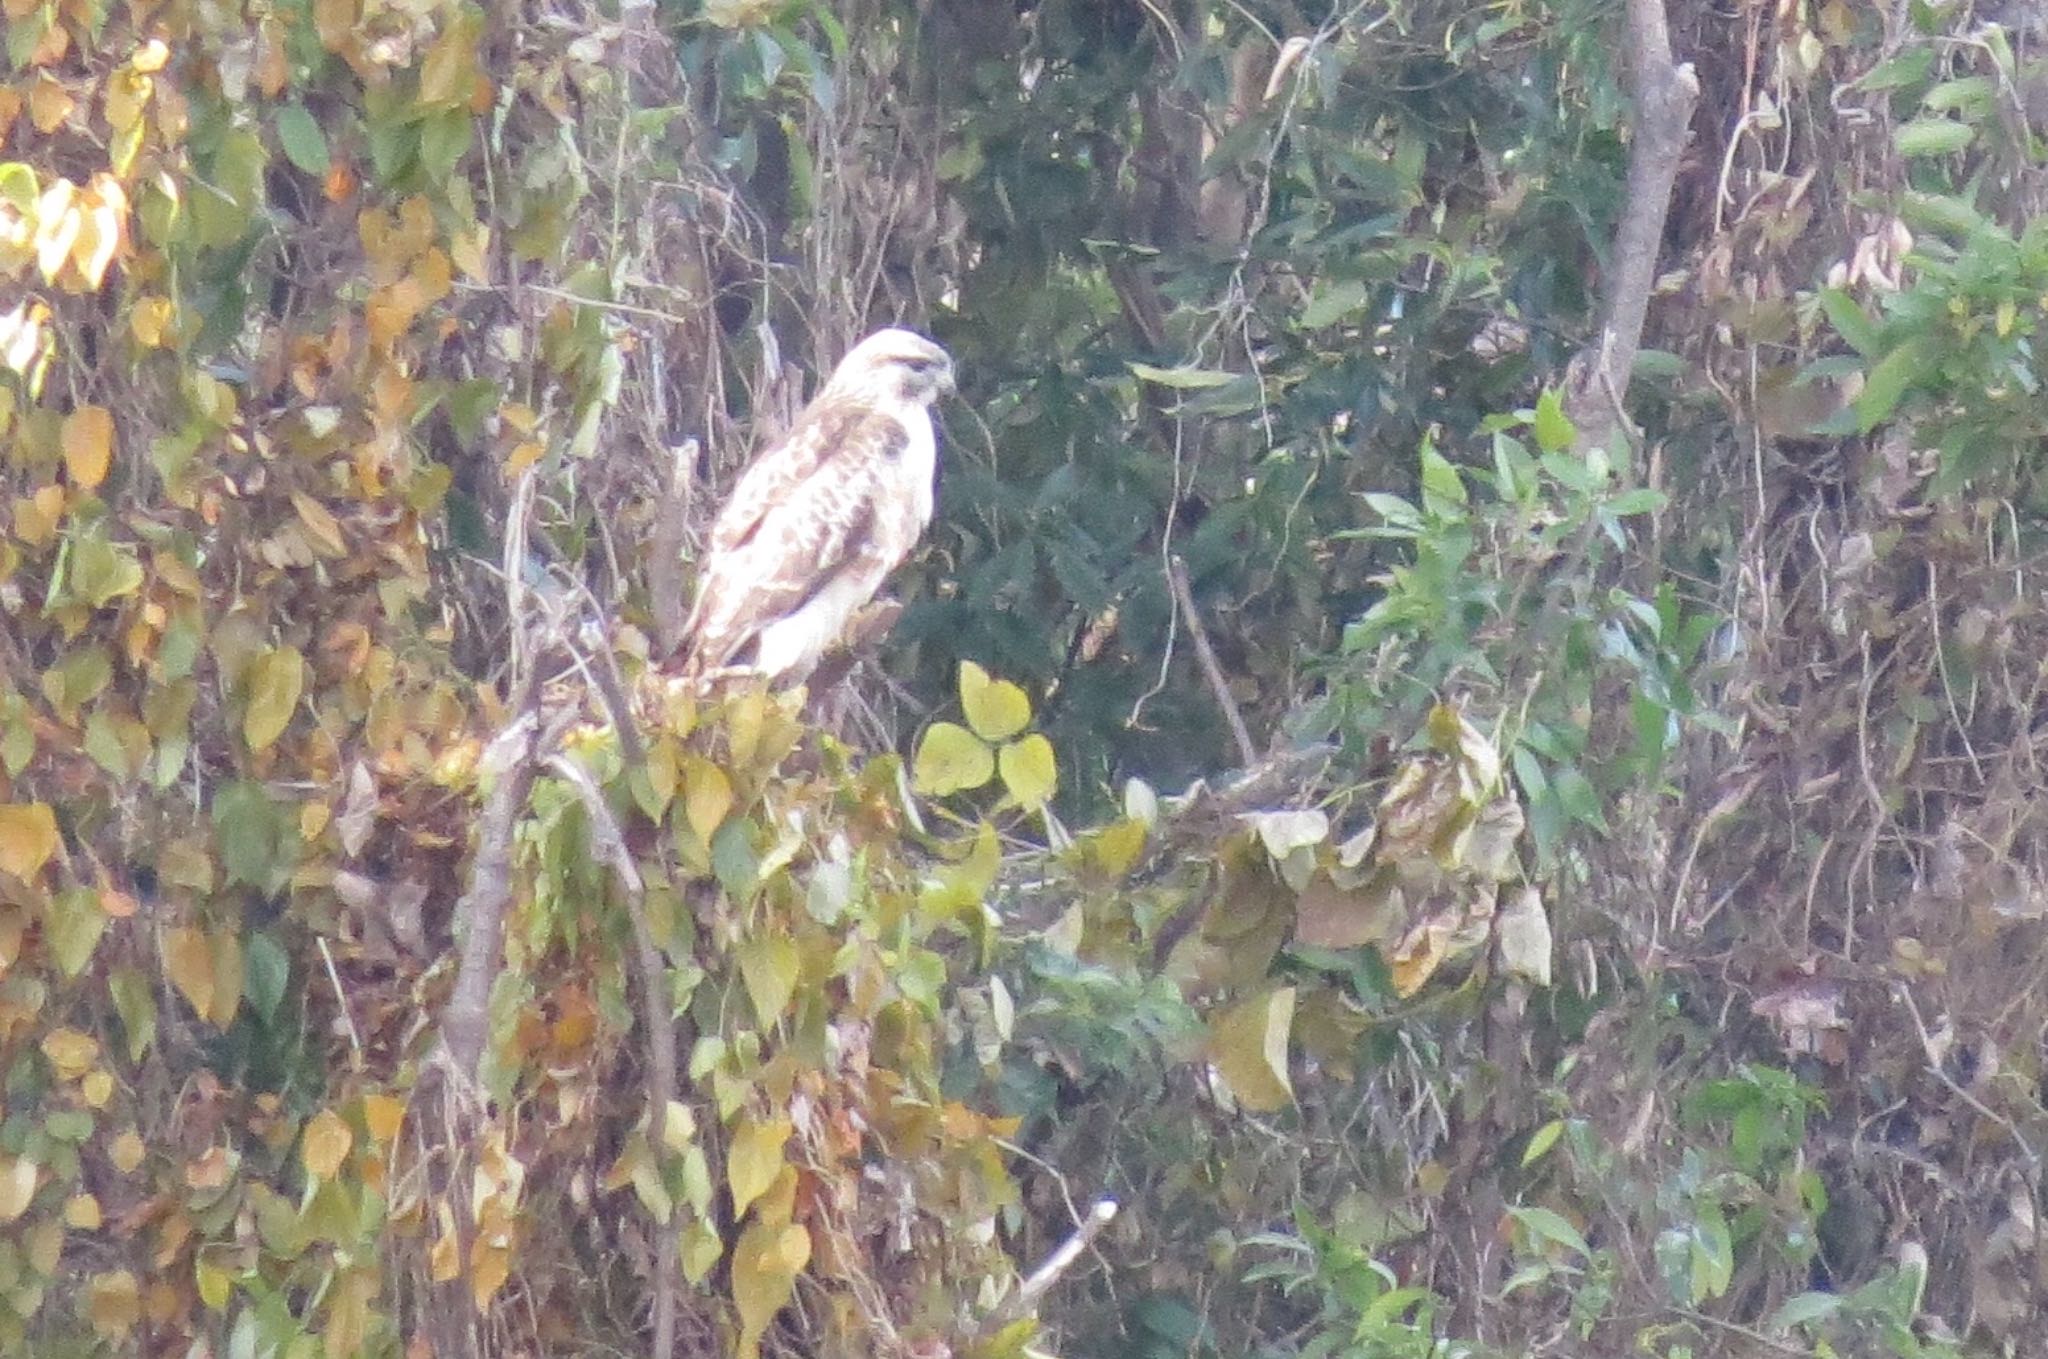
(1518, 591)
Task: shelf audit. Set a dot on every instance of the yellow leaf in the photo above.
(325, 1145)
(996, 709)
(275, 680)
(701, 1250)
(17, 1186)
(82, 1211)
(1030, 773)
(105, 209)
(49, 103)
(707, 796)
(115, 1303)
(127, 1151)
(227, 979)
(1116, 847)
(754, 1160)
(151, 56)
(72, 1053)
(188, 958)
(214, 1283)
(490, 1265)
(768, 966)
(1248, 1045)
(28, 837)
(763, 1278)
(1419, 955)
(950, 759)
(88, 441)
(324, 527)
(97, 1087)
(471, 252)
(383, 1114)
(444, 1261)
(58, 222)
(150, 321)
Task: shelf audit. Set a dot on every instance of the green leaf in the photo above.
(1803, 1308)
(1542, 1141)
(1850, 321)
(135, 1002)
(1183, 378)
(1554, 429)
(1932, 137)
(1442, 488)
(996, 709)
(252, 835)
(102, 572)
(1334, 303)
(950, 759)
(733, 860)
(305, 145)
(267, 974)
(1030, 773)
(1889, 380)
(1578, 798)
(1545, 1225)
(72, 925)
(1642, 500)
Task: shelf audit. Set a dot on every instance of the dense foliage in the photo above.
(1619, 927)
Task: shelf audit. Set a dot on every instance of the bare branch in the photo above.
(1664, 94)
(1177, 576)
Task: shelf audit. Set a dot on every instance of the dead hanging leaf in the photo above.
(358, 811)
(1451, 925)
(1808, 1013)
(1489, 850)
(1248, 1047)
(1418, 957)
(1329, 916)
(28, 837)
(1525, 937)
(1283, 832)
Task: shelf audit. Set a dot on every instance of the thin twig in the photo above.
(1177, 576)
(355, 1039)
(1905, 994)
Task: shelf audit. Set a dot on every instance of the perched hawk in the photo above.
(819, 521)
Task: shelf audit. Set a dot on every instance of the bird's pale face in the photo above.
(896, 365)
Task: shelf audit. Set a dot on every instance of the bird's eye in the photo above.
(919, 365)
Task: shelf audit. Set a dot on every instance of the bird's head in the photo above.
(894, 365)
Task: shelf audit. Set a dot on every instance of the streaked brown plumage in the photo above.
(819, 521)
